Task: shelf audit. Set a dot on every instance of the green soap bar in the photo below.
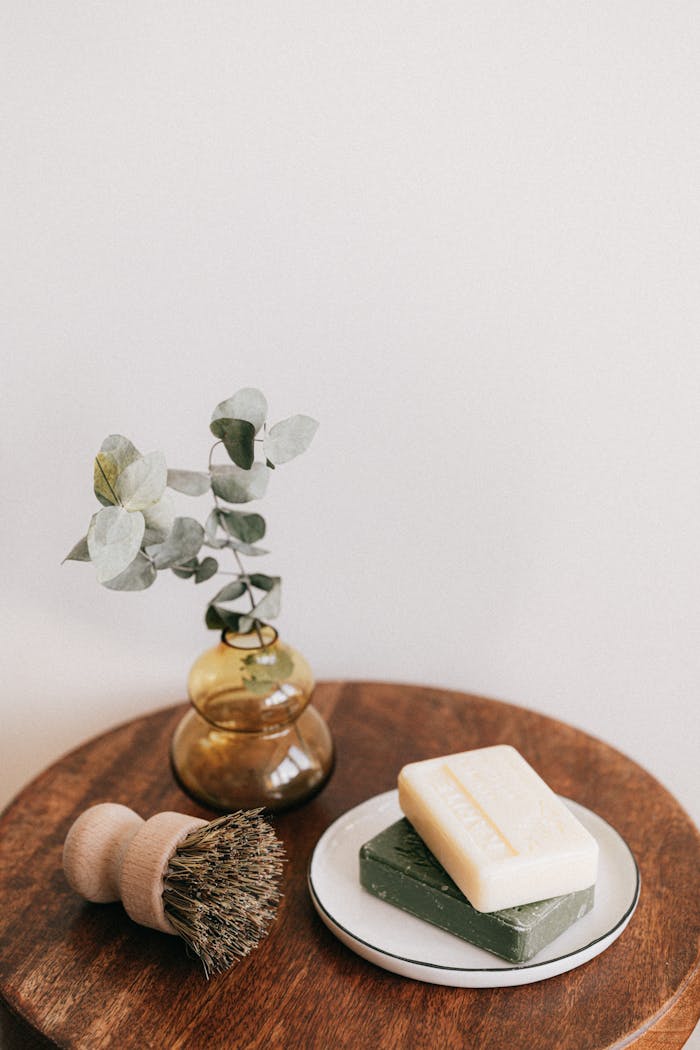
(398, 867)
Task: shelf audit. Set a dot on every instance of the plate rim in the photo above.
(619, 925)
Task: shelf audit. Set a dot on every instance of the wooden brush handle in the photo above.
(110, 853)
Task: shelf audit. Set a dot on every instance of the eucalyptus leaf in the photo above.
(207, 568)
(229, 593)
(211, 524)
(136, 577)
(114, 539)
(217, 543)
(182, 543)
(269, 606)
(220, 619)
(263, 582)
(248, 403)
(186, 570)
(116, 453)
(191, 482)
(261, 686)
(271, 665)
(238, 436)
(213, 620)
(234, 485)
(289, 438)
(80, 552)
(247, 548)
(284, 664)
(266, 609)
(245, 527)
(153, 536)
(210, 528)
(159, 519)
(142, 483)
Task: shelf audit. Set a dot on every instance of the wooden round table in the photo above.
(83, 975)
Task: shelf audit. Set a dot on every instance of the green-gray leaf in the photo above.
(248, 528)
(208, 568)
(267, 670)
(266, 609)
(213, 620)
(220, 619)
(238, 435)
(191, 482)
(248, 403)
(210, 527)
(136, 577)
(219, 542)
(264, 582)
(234, 485)
(80, 552)
(116, 453)
(187, 569)
(247, 548)
(182, 543)
(143, 482)
(229, 593)
(159, 518)
(289, 438)
(114, 538)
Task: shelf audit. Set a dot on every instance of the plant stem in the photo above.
(242, 575)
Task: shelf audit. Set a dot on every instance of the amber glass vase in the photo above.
(252, 737)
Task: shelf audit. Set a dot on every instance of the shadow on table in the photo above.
(15, 1034)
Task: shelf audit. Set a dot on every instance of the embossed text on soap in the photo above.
(483, 833)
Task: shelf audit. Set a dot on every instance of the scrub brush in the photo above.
(213, 884)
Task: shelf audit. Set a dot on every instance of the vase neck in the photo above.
(261, 637)
(243, 687)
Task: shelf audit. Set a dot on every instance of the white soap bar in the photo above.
(499, 831)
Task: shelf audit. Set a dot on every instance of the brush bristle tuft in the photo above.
(220, 892)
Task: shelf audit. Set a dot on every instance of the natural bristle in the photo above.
(220, 891)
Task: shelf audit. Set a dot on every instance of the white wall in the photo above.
(465, 237)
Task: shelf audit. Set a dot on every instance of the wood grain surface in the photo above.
(83, 975)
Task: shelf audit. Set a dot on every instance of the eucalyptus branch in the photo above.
(138, 535)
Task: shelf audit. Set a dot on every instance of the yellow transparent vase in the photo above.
(252, 737)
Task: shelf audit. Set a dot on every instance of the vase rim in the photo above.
(257, 641)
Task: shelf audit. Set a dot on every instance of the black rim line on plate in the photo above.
(488, 969)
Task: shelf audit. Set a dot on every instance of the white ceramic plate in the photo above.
(399, 942)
